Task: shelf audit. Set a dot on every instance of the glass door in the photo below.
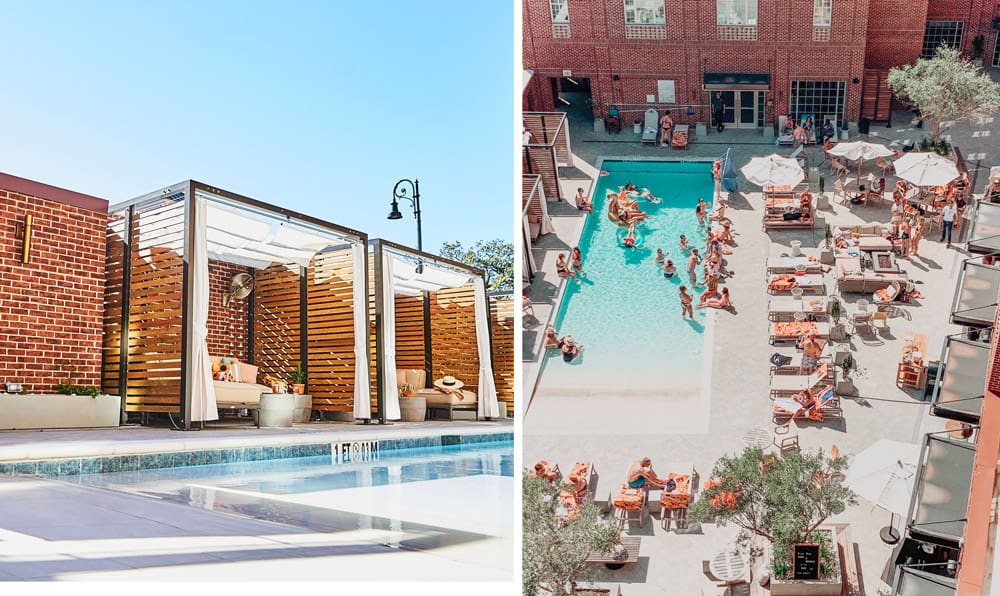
(747, 109)
(729, 113)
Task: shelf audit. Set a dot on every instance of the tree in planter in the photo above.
(781, 499)
(945, 87)
(554, 552)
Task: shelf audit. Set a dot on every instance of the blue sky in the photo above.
(315, 106)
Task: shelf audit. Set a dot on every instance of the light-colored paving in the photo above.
(670, 562)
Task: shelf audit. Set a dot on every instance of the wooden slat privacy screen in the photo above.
(331, 330)
(542, 161)
(154, 329)
(276, 320)
(502, 323)
(550, 129)
(453, 335)
(113, 269)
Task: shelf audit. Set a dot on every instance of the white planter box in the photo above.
(59, 411)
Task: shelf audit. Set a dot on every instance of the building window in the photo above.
(937, 33)
(645, 12)
(559, 9)
(737, 12)
(821, 13)
(820, 99)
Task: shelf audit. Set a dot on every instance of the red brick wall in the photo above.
(895, 33)
(51, 309)
(227, 325)
(598, 49)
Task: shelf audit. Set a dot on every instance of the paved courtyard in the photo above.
(612, 431)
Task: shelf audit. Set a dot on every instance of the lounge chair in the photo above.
(888, 294)
(786, 436)
(785, 282)
(825, 405)
(651, 126)
(790, 264)
(679, 136)
(783, 385)
(792, 331)
(785, 307)
(794, 365)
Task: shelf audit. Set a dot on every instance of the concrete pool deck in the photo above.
(670, 561)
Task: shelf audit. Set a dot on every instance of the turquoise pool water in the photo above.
(624, 311)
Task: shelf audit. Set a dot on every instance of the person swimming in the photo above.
(669, 270)
(684, 243)
(660, 256)
(570, 350)
(629, 240)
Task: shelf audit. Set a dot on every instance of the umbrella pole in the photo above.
(888, 534)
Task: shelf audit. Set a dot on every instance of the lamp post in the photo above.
(400, 193)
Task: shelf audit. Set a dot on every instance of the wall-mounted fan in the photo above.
(239, 288)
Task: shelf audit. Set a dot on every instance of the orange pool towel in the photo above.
(884, 294)
(795, 328)
(783, 282)
(630, 499)
(680, 497)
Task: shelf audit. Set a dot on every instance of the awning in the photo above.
(916, 582)
(985, 235)
(942, 491)
(961, 381)
(737, 80)
(976, 297)
(410, 278)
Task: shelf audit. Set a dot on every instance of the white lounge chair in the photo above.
(651, 126)
(808, 283)
(792, 384)
(789, 264)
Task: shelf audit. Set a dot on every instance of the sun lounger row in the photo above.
(782, 308)
(786, 282)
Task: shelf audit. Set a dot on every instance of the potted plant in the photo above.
(298, 377)
(978, 44)
(780, 505)
(845, 386)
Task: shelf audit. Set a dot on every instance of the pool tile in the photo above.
(451, 440)
(26, 468)
(69, 467)
(215, 456)
(149, 461)
(7, 469)
(90, 465)
(129, 463)
(48, 468)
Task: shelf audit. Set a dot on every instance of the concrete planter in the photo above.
(412, 409)
(277, 410)
(816, 587)
(59, 411)
(303, 407)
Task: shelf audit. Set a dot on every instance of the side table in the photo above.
(276, 410)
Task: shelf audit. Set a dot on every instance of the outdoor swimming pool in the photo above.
(454, 502)
(624, 311)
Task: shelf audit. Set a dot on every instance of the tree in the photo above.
(946, 87)
(554, 552)
(495, 257)
(782, 499)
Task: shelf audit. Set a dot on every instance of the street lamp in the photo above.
(400, 193)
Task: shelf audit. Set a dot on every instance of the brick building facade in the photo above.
(770, 58)
(51, 308)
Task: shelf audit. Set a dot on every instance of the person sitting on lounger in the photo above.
(641, 474)
(551, 340)
(669, 269)
(720, 302)
(543, 470)
(804, 397)
(811, 353)
(570, 350)
(581, 201)
(577, 259)
(562, 268)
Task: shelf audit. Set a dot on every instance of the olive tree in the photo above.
(555, 550)
(495, 257)
(782, 499)
(946, 87)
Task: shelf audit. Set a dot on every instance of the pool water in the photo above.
(422, 499)
(624, 311)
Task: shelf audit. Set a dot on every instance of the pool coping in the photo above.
(85, 457)
(707, 358)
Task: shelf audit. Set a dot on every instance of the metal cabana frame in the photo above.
(149, 339)
(941, 492)
(435, 329)
(547, 149)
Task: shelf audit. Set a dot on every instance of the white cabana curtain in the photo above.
(203, 406)
(388, 364)
(362, 384)
(487, 398)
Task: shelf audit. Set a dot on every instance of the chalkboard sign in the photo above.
(806, 561)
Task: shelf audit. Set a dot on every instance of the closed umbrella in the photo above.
(926, 169)
(884, 474)
(773, 170)
(861, 151)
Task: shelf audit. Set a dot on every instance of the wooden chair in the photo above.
(838, 168)
(838, 188)
(881, 317)
(786, 437)
(885, 164)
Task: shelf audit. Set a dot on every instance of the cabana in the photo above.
(535, 211)
(924, 581)
(195, 272)
(961, 380)
(975, 302)
(984, 238)
(430, 314)
(546, 149)
(941, 496)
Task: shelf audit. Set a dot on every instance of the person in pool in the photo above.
(686, 300)
(684, 243)
(551, 340)
(576, 259)
(669, 270)
(699, 212)
(629, 240)
(693, 261)
(570, 350)
(642, 475)
(660, 256)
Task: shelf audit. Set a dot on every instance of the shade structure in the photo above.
(942, 490)
(488, 407)
(976, 295)
(961, 383)
(926, 169)
(773, 170)
(884, 474)
(729, 172)
(921, 582)
(984, 238)
(861, 151)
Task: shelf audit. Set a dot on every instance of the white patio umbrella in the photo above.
(861, 151)
(926, 169)
(884, 474)
(773, 170)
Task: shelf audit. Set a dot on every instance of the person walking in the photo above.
(948, 221)
(718, 109)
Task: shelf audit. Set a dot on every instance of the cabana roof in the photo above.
(976, 295)
(984, 238)
(942, 491)
(961, 382)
